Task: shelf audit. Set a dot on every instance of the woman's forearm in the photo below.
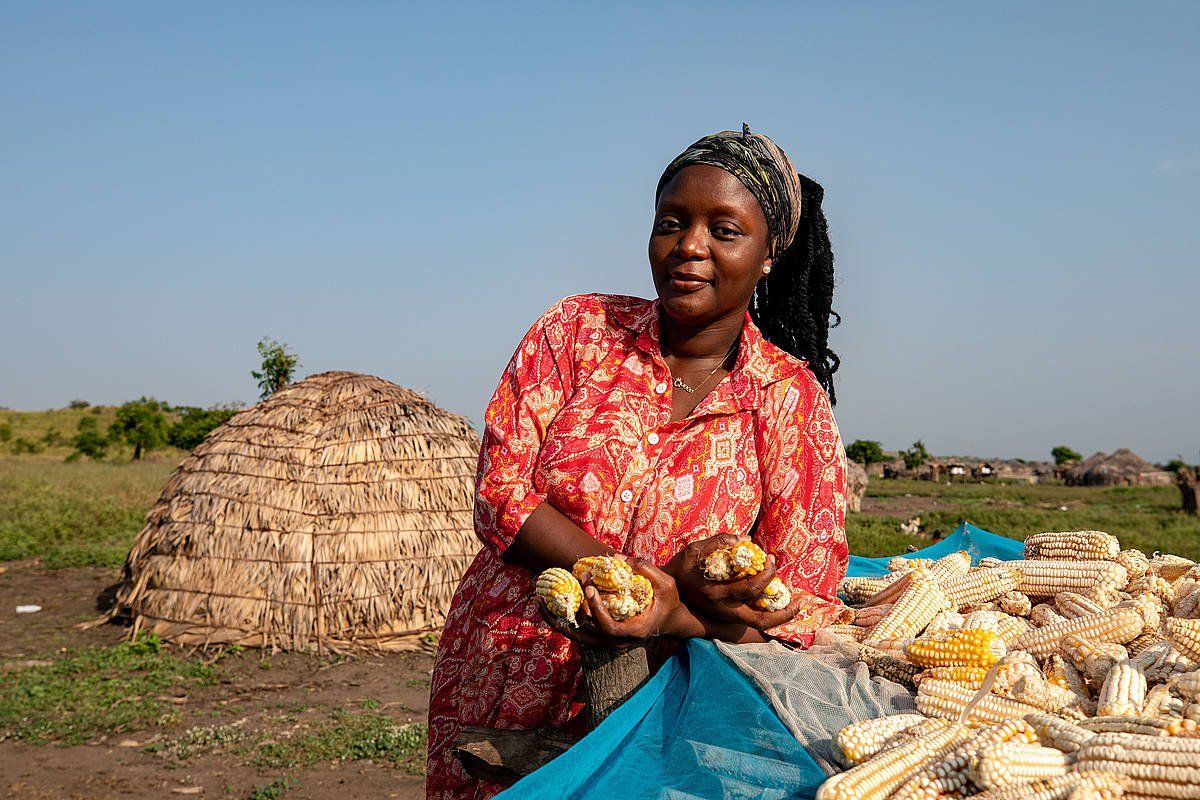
(550, 539)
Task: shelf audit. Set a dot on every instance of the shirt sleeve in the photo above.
(803, 518)
(532, 390)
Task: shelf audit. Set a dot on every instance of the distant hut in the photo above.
(1122, 468)
(956, 471)
(983, 470)
(335, 514)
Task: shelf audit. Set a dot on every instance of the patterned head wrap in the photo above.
(761, 166)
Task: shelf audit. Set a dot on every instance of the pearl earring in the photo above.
(766, 269)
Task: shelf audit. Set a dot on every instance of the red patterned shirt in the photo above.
(582, 420)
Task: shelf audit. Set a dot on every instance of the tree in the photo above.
(278, 367)
(196, 423)
(89, 441)
(6, 432)
(140, 423)
(1175, 464)
(865, 452)
(78, 404)
(1062, 454)
(915, 456)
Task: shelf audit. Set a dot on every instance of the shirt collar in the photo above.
(759, 363)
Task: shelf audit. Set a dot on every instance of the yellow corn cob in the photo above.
(1015, 603)
(747, 559)
(630, 602)
(1162, 660)
(1135, 563)
(1046, 578)
(965, 648)
(1073, 545)
(879, 777)
(950, 566)
(948, 775)
(776, 597)
(1123, 693)
(913, 610)
(1169, 567)
(1058, 733)
(1073, 605)
(1014, 763)
(971, 677)
(1044, 614)
(1142, 726)
(981, 586)
(1157, 766)
(1118, 625)
(1078, 785)
(859, 741)
(607, 573)
(1185, 636)
(560, 593)
(882, 665)
(949, 700)
(641, 590)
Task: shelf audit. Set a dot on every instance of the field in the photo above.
(85, 714)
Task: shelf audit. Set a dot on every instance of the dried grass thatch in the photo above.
(337, 513)
(1122, 468)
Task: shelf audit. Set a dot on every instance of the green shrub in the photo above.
(196, 423)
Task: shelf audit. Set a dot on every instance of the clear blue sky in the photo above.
(401, 189)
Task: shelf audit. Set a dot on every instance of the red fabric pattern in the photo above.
(581, 419)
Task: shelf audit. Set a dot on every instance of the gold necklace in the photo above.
(679, 384)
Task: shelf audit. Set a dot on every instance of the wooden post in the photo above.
(611, 677)
(1189, 488)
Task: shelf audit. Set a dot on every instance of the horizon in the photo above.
(401, 191)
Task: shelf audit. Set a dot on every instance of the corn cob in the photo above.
(1156, 766)
(1185, 636)
(973, 607)
(1036, 691)
(971, 677)
(848, 631)
(1142, 726)
(948, 700)
(1073, 605)
(1048, 578)
(1073, 545)
(981, 586)
(913, 610)
(1014, 763)
(949, 774)
(1169, 567)
(606, 573)
(859, 741)
(1188, 686)
(560, 593)
(1134, 562)
(1123, 693)
(1044, 614)
(1058, 733)
(1007, 627)
(1155, 585)
(1061, 787)
(1191, 712)
(1162, 660)
(1065, 674)
(902, 564)
(990, 562)
(1187, 606)
(944, 622)
(856, 591)
(870, 615)
(1142, 642)
(1118, 625)
(950, 566)
(630, 602)
(893, 591)
(882, 665)
(776, 597)
(879, 777)
(1092, 659)
(1161, 702)
(1015, 603)
(965, 648)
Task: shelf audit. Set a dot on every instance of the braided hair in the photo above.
(793, 305)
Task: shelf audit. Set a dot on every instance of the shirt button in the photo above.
(626, 496)
(652, 438)
(660, 389)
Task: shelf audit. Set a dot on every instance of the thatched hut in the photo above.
(337, 513)
(1122, 468)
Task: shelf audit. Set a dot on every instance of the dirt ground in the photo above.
(271, 695)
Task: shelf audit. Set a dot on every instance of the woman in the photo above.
(659, 430)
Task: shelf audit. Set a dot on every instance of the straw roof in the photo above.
(337, 513)
(1122, 468)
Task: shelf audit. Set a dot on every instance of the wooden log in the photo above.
(506, 756)
(611, 677)
(1189, 488)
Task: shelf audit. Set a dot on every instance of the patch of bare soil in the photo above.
(902, 506)
(273, 695)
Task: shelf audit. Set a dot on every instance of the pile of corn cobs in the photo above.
(1073, 674)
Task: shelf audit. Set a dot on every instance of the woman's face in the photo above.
(709, 245)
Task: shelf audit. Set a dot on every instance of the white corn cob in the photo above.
(1162, 660)
(856, 591)
(902, 564)
(914, 609)
(991, 562)
(1058, 733)
(944, 622)
(848, 631)
(1161, 702)
(1014, 763)
(631, 601)
(1092, 659)
(949, 774)
(1072, 786)
(1032, 689)
(1015, 603)
(949, 700)
(882, 665)
(859, 741)
(1118, 625)
(560, 593)
(1006, 626)
(1188, 686)
(1045, 578)
(1185, 636)
(882, 775)
(1135, 563)
(1044, 614)
(1169, 567)
(776, 597)
(1073, 605)
(981, 586)
(1123, 692)
(1142, 726)
(1064, 674)
(1073, 545)
(950, 566)
(1156, 766)
(1154, 585)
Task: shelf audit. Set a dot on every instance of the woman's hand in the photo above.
(726, 601)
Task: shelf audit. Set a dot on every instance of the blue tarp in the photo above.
(700, 729)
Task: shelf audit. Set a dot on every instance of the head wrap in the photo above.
(761, 166)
